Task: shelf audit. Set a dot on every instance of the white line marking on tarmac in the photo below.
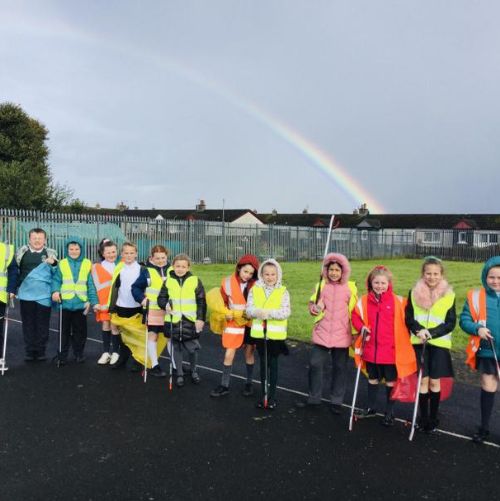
(296, 392)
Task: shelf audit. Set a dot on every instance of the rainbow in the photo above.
(316, 157)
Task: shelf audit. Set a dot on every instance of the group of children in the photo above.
(172, 298)
(399, 336)
(396, 336)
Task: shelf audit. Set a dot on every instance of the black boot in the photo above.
(124, 356)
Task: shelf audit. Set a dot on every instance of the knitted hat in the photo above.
(248, 259)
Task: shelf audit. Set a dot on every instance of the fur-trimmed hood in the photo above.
(260, 281)
(342, 261)
(425, 297)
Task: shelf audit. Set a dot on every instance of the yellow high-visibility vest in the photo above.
(70, 288)
(432, 318)
(183, 299)
(6, 256)
(153, 289)
(275, 329)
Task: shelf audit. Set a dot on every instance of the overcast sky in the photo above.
(162, 103)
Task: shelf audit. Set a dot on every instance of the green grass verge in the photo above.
(300, 278)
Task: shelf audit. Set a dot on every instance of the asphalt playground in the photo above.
(85, 432)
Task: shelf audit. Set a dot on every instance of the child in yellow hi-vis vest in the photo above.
(145, 291)
(182, 296)
(268, 305)
(73, 287)
(431, 318)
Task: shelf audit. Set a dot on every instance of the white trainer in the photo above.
(114, 358)
(105, 358)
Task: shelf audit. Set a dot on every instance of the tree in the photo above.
(25, 178)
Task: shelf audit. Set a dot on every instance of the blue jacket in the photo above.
(492, 314)
(75, 303)
(140, 285)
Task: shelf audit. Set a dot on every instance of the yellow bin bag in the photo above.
(133, 333)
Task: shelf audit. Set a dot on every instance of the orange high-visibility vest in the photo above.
(234, 330)
(476, 298)
(406, 362)
(102, 281)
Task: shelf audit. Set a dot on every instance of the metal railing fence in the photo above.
(216, 242)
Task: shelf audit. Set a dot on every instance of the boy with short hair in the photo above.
(182, 296)
(36, 263)
(73, 287)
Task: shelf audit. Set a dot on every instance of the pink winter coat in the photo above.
(380, 348)
(334, 329)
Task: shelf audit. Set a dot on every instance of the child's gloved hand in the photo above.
(262, 314)
(313, 309)
(365, 331)
(424, 334)
(484, 333)
(198, 325)
(86, 309)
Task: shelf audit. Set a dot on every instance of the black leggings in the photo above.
(272, 373)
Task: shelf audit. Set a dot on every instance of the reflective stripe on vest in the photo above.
(155, 282)
(116, 272)
(476, 299)
(231, 294)
(102, 282)
(6, 255)
(236, 302)
(70, 288)
(275, 329)
(432, 318)
(183, 299)
(362, 308)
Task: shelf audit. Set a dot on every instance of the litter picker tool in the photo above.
(266, 383)
(493, 347)
(145, 317)
(417, 396)
(3, 367)
(171, 352)
(60, 335)
(356, 384)
(333, 224)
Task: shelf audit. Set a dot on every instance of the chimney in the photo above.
(363, 210)
(201, 206)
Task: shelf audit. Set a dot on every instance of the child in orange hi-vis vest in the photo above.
(387, 352)
(481, 319)
(102, 274)
(236, 334)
